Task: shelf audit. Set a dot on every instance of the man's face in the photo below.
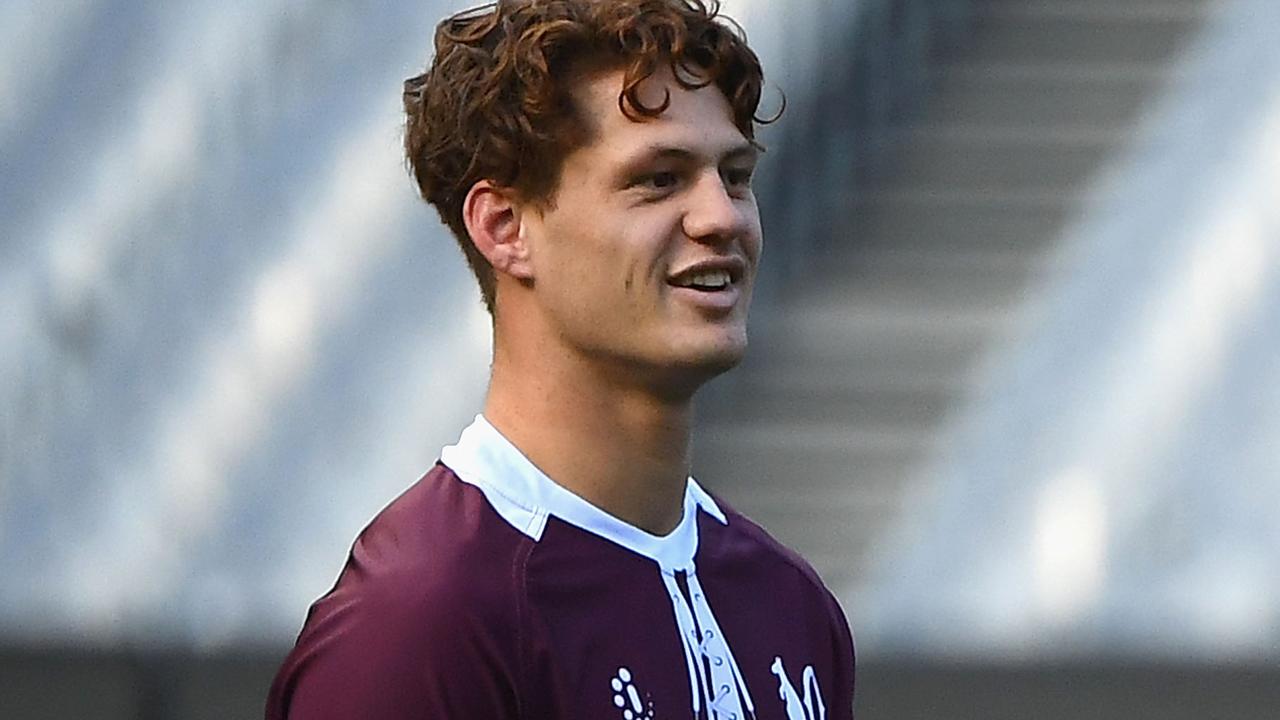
(646, 260)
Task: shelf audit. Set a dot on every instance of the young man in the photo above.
(594, 159)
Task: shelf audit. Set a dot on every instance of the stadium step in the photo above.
(831, 424)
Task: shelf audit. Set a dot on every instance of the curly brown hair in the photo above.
(496, 102)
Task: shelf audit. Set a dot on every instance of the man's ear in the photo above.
(493, 218)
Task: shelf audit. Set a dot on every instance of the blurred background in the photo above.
(1014, 385)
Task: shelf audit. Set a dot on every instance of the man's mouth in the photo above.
(712, 275)
(706, 281)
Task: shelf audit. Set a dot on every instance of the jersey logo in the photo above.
(797, 708)
(803, 704)
(627, 698)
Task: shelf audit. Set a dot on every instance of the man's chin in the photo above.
(677, 369)
(724, 359)
(701, 364)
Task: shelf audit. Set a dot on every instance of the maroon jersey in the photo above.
(488, 592)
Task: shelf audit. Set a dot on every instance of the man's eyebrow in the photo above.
(744, 151)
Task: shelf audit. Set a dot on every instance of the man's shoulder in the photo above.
(438, 519)
(438, 550)
(743, 554)
(741, 540)
(424, 616)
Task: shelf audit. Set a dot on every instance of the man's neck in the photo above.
(617, 446)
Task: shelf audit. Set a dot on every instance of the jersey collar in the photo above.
(524, 496)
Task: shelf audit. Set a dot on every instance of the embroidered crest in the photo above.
(800, 708)
(627, 698)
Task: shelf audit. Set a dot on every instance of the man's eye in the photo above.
(738, 176)
(662, 180)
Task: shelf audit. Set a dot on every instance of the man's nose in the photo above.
(713, 214)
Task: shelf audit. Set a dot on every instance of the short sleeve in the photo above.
(396, 654)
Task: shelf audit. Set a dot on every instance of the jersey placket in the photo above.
(714, 675)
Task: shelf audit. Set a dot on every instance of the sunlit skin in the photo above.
(597, 350)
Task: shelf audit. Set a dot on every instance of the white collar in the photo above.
(524, 496)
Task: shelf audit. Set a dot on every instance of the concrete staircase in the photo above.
(825, 433)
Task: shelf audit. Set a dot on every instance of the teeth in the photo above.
(712, 279)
